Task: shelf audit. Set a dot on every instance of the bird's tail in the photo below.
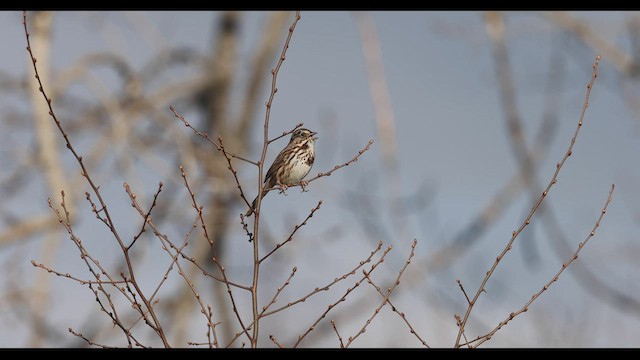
(253, 205)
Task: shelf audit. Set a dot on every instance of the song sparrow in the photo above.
(291, 165)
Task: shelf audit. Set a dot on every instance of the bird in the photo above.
(291, 165)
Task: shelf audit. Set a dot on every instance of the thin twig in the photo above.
(279, 290)
(279, 245)
(199, 210)
(481, 339)
(266, 313)
(333, 325)
(69, 276)
(89, 341)
(343, 297)
(323, 174)
(275, 341)
(156, 323)
(233, 171)
(211, 329)
(144, 223)
(527, 220)
(463, 292)
(206, 136)
(167, 245)
(174, 259)
(88, 260)
(265, 144)
(208, 274)
(385, 297)
(285, 133)
(400, 313)
(326, 287)
(459, 323)
(328, 173)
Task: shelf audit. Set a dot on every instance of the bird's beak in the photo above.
(313, 133)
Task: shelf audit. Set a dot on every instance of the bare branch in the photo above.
(464, 292)
(146, 217)
(395, 309)
(265, 144)
(69, 276)
(279, 290)
(328, 173)
(199, 210)
(156, 324)
(326, 287)
(78, 334)
(295, 229)
(206, 136)
(527, 220)
(481, 339)
(333, 325)
(385, 297)
(233, 171)
(343, 297)
(266, 313)
(275, 341)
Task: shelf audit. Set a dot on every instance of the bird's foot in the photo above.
(283, 188)
(303, 185)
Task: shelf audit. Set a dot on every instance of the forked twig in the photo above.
(343, 297)
(385, 297)
(144, 222)
(265, 144)
(155, 325)
(400, 313)
(279, 245)
(206, 136)
(326, 287)
(537, 204)
(317, 290)
(481, 339)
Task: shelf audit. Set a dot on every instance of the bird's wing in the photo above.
(270, 178)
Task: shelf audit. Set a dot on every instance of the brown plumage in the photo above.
(291, 165)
